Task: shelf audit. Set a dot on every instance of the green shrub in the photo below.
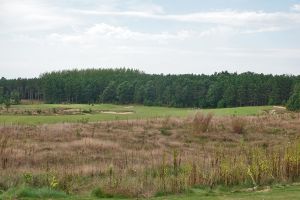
(83, 120)
(28, 192)
(100, 194)
(165, 131)
(87, 111)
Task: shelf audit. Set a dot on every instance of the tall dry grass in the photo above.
(239, 125)
(135, 158)
(201, 122)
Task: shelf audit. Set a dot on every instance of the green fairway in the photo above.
(275, 192)
(134, 112)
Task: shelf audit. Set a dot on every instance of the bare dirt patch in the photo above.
(279, 107)
(129, 107)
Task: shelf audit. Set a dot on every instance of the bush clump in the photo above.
(238, 125)
(201, 122)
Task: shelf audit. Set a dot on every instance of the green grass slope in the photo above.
(138, 112)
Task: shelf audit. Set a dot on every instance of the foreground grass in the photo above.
(138, 112)
(144, 158)
(32, 193)
(275, 192)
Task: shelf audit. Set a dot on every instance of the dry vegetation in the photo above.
(142, 158)
(59, 111)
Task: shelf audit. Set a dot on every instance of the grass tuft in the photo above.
(238, 125)
(201, 122)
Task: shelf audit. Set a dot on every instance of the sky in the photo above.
(154, 36)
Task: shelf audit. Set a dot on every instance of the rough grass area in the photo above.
(63, 113)
(32, 193)
(152, 157)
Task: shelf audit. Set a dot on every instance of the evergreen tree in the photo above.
(131, 86)
(125, 92)
(139, 94)
(150, 94)
(109, 94)
(229, 96)
(214, 94)
(7, 103)
(293, 103)
(1, 95)
(15, 97)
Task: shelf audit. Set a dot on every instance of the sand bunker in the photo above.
(117, 113)
(128, 107)
(280, 107)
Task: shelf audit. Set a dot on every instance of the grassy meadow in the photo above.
(132, 151)
(71, 113)
(157, 153)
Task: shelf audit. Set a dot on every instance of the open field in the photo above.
(149, 100)
(62, 113)
(154, 156)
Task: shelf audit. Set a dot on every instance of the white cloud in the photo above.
(146, 7)
(141, 14)
(236, 18)
(296, 7)
(256, 19)
(278, 53)
(103, 31)
(262, 30)
(30, 15)
(45, 35)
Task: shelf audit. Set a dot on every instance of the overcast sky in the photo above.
(155, 36)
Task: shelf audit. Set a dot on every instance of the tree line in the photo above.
(129, 86)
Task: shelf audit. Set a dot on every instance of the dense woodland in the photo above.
(127, 86)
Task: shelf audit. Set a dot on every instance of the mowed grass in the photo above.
(277, 193)
(138, 112)
(291, 192)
